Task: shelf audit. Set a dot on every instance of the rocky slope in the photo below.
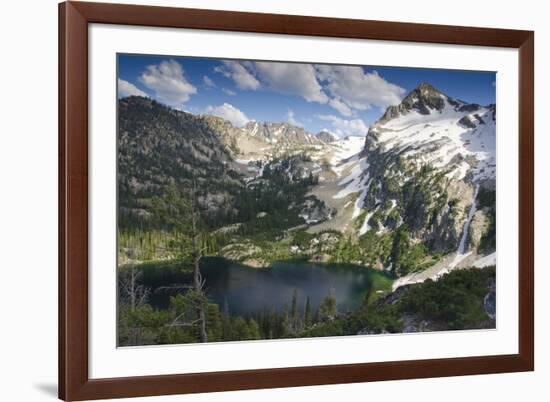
(327, 137)
(237, 141)
(158, 146)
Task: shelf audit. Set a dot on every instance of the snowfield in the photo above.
(445, 139)
(346, 148)
(356, 180)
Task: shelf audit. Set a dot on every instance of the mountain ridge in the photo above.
(281, 133)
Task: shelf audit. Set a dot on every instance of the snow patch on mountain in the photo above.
(346, 148)
(356, 179)
(486, 261)
(365, 227)
(358, 207)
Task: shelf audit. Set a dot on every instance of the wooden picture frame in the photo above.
(74, 381)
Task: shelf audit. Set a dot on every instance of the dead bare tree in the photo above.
(133, 294)
(198, 282)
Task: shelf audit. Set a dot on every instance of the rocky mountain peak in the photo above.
(426, 89)
(423, 99)
(326, 137)
(280, 133)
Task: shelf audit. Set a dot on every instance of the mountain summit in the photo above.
(327, 137)
(281, 133)
(432, 127)
(425, 100)
(422, 99)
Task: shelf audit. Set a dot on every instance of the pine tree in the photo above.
(226, 321)
(327, 308)
(284, 322)
(294, 317)
(399, 249)
(253, 330)
(307, 314)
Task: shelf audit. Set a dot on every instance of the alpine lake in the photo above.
(247, 291)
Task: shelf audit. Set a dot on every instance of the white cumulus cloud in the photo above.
(285, 78)
(356, 89)
(229, 112)
(208, 81)
(341, 107)
(345, 127)
(126, 88)
(292, 119)
(292, 79)
(229, 92)
(346, 89)
(242, 77)
(169, 83)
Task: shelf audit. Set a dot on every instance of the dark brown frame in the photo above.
(74, 17)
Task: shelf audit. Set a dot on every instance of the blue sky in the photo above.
(342, 99)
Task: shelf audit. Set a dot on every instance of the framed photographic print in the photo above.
(259, 200)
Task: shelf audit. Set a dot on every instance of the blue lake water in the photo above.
(250, 290)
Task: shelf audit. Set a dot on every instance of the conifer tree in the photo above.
(307, 314)
(294, 317)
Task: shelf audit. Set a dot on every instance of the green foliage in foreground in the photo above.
(455, 302)
(144, 325)
(487, 199)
